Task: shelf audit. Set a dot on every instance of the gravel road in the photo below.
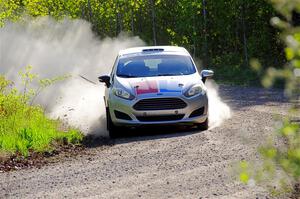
(180, 164)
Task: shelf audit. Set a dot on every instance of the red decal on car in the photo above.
(146, 87)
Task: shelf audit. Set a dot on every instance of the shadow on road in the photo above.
(240, 97)
(140, 134)
(153, 133)
(92, 141)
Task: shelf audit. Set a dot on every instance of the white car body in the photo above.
(154, 98)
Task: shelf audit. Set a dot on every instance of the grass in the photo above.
(25, 128)
(236, 76)
(230, 69)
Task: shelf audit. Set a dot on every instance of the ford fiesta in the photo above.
(155, 86)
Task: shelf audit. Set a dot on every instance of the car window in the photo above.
(155, 65)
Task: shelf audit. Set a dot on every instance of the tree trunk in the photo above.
(132, 21)
(90, 11)
(140, 20)
(205, 58)
(236, 39)
(117, 18)
(153, 22)
(246, 57)
(132, 18)
(194, 36)
(120, 22)
(82, 11)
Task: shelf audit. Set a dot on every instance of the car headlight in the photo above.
(123, 94)
(195, 90)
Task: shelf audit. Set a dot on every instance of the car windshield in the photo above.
(155, 65)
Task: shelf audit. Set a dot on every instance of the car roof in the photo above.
(151, 50)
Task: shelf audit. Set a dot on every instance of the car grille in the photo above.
(159, 104)
(160, 118)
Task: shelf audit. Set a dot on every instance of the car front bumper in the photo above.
(169, 116)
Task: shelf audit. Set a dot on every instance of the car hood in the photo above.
(171, 85)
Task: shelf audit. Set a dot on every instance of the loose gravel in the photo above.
(177, 164)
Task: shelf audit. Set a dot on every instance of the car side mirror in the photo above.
(206, 74)
(105, 79)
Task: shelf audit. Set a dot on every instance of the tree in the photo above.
(224, 34)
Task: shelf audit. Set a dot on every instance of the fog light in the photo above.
(122, 116)
(197, 112)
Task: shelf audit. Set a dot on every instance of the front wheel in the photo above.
(203, 126)
(111, 128)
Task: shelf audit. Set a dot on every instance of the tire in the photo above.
(203, 126)
(111, 128)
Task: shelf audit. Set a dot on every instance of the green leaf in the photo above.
(244, 177)
(289, 53)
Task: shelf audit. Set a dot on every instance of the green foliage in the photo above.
(290, 159)
(9, 10)
(27, 79)
(25, 128)
(229, 71)
(279, 170)
(281, 162)
(244, 177)
(232, 30)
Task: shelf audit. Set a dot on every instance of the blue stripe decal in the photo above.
(165, 88)
(169, 91)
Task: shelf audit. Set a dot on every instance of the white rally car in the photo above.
(155, 86)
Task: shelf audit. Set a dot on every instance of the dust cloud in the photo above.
(218, 110)
(70, 47)
(58, 48)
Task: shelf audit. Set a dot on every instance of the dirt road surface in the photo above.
(177, 164)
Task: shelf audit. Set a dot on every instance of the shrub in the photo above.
(280, 164)
(24, 127)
